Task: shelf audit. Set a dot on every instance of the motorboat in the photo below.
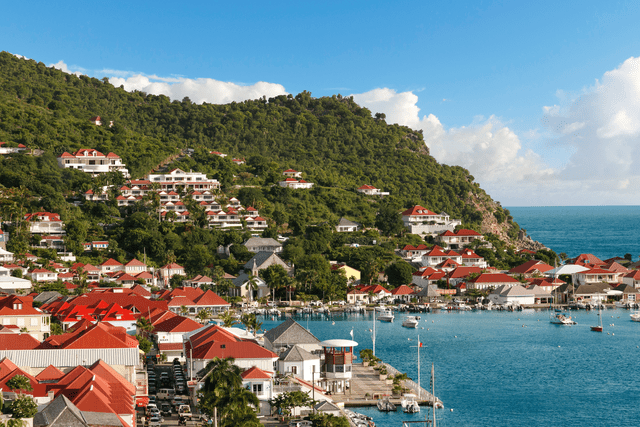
(598, 328)
(562, 319)
(409, 404)
(385, 405)
(635, 316)
(411, 322)
(386, 316)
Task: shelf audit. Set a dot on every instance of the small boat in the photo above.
(635, 316)
(386, 316)
(411, 322)
(385, 405)
(599, 327)
(562, 319)
(409, 404)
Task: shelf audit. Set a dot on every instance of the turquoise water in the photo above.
(492, 371)
(605, 231)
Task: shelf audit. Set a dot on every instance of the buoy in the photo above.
(613, 333)
(333, 323)
(451, 409)
(523, 326)
(432, 321)
(455, 336)
(558, 346)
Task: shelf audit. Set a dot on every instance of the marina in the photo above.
(494, 366)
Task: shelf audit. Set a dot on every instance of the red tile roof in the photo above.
(177, 324)
(18, 342)
(255, 373)
(418, 210)
(530, 267)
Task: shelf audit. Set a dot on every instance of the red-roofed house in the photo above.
(370, 190)
(110, 266)
(410, 251)
(420, 220)
(93, 162)
(587, 260)
(169, 335)
(531, 268)
(295, 184)
(19, 310)
(597, 275)
(436, 255)
(45, 223)
(292, 173)
(471, 259)
(170, 270)
(632, 279)
(213, 341)
(259, 382)
(403, 292)
(427, 276)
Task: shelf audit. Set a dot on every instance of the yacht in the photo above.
(635, 316)
(386, 316)
(385, 405)
(411, 322)
(562, 319)
(409, 404)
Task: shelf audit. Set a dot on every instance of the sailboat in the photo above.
(599, 327)
(558, 317)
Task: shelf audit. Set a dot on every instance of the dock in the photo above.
(367, 388)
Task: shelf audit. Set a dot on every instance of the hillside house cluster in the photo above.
(291, 180)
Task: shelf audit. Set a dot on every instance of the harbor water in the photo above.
(497, 368)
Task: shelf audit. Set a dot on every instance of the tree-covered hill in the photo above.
(336, 143)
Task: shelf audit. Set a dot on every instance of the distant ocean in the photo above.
(605, 231)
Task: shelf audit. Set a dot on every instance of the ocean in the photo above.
(506, 368)
(605, 231)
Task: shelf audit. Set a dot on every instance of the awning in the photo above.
(142, 401)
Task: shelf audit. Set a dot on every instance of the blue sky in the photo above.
(539, 100)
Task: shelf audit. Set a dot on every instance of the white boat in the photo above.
(409, 404)
(385, 405)
(411, 322)
(635, 316)
(562, 319)
(386, 316)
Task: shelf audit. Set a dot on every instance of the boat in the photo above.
(411, 322)
(409, 404)
(599, 327)
(386, 316)
(562, 319)
(385, 405)
(635, 316)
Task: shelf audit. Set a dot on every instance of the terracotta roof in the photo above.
(494, 278)
(111, 262)
(418, 210)
(530, 267)
(50, 373)
(255, 373)
(18, 342)
(177, 324)
(402, 290)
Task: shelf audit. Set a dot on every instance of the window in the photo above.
(257, 388)
(20, 321)
(294, 370)
(34, 321)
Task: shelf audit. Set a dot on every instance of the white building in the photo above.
(421, 220)
(299, 362)
(295, 184)
(191, 181)
(45, 223)
(92, 161)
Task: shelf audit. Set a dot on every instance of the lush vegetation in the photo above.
(337, 144)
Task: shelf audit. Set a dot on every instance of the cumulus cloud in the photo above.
(62, 66)
(602, 127)
(491, 151)
(198, 90)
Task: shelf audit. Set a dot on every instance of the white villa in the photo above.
(370, 190)
(92, 161)
(420, 220)
(191, 181)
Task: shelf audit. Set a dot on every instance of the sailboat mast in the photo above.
(433, 394)
(374, 331)
(419, 384)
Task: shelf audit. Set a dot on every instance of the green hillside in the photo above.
(337, 144)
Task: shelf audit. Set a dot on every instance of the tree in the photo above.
(19, 383)
(389, 220)
(250, 321)
(275, 276)
(223, 397)
(399, 273)
(288, 400)
(203, 315)
(328, 420)
(144, 326)
(23, 407)
(228, 319)
(144, 344)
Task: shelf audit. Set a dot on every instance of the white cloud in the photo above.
(60, 65)
(602, 127)
(198, 90)
(491, 151)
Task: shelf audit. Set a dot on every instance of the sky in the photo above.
(540, 101)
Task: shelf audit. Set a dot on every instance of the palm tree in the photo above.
(239, 410)
(203, 315)
(250, 321)
(144, 325)
(184, 310)
(228, 320)
(222, 378)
